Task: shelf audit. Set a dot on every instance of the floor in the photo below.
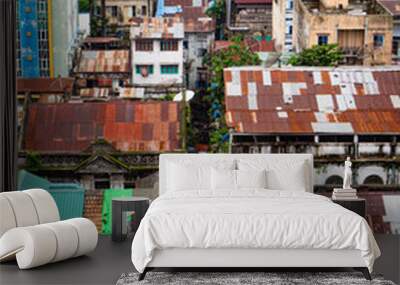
(110, 260)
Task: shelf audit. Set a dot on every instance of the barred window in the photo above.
(144, 45)
(167, 45)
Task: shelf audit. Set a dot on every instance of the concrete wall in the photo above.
(157, 58)
(65, 26)
(308, 26)
(282, 20)
(125, 9)
(196, 42)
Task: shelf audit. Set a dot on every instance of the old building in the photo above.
(199, 34)
(157, 54)
(393, 8)
(101, 145)
(329, 112)
(104, 68)
(120, 12)
(363, 30)
(255, 15)
(47, 37)
(282, 21)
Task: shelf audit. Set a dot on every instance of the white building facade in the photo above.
(157, 53)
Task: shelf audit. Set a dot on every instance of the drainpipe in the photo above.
(228, 19)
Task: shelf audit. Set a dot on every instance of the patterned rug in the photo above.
(243, 278)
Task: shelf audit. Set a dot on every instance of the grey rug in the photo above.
(236, 278)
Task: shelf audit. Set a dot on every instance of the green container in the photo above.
(69, 199)
(106, 213)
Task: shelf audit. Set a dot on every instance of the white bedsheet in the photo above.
(250, 219)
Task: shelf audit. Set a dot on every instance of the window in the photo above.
(144, 70)
(373, 180)
(201, 52)
(144, 10)
(378, 40)
(169, 45)
(114, 11)
(334, 180)
(186, 44)
(169, 69)
(133, 11)
(144, 45)
(290, 29)
(322, 40)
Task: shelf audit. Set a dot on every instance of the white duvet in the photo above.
(250, 219)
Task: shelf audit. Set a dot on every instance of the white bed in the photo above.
(248, 227)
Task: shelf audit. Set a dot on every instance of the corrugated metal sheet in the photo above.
(45, 85)
(127, 125)
(104, 61)
(317, 100)
(158, 28)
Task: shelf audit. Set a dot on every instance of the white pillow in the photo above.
(183, 177)
(282, 174)
(223, 179)
(251, 178)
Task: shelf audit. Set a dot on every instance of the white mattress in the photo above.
(253, 219)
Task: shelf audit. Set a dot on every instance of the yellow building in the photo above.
(362, 30)
(119, 12)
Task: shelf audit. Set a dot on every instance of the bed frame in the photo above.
(242, 259)
(245, 259)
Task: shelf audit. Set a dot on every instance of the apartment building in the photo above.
(157, 54)
(47, 37)
(363, 30)
(199, 34)
(393, 8)
(119, 12)
(282, 21)
(256, 15)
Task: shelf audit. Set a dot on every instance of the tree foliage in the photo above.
(217, 10)
(237, 54)
(84, 6)
(318, 55)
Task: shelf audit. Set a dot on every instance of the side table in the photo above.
(356, 205)
(123, 204)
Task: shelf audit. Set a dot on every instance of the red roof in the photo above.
(313, 100)
(127, 125)
(45, 85)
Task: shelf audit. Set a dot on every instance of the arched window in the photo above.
(334, 180)
(373, 180)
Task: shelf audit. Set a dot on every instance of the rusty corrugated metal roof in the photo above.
(100, 40)
(157, 28)
(127, 125)
(194, 15)
(104, 61)
(392, 6)
(313, 100)
(45, 85)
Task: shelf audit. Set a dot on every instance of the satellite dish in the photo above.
(189, 95)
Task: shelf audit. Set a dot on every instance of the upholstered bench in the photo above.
(31, 230)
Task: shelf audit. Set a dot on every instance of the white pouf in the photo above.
(31, 232)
